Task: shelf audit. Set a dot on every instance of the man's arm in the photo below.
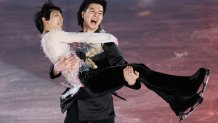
(52, 73)
(113, 54)
(115, 58)
(61, 65)
(80, 37)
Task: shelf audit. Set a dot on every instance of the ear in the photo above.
(82, 13)
(44, 20)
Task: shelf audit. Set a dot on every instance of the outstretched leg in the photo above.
(181, 92)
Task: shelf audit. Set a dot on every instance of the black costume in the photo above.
(181, 92)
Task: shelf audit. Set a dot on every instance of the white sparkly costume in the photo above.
(56, 44)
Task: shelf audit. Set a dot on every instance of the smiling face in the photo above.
(92, 17)
(55, 21)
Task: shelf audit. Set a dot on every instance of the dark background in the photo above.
(173, 36)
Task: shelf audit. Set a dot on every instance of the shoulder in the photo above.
(54, 35)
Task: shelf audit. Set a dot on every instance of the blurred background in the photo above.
(173, 36)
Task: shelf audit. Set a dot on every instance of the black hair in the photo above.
(85, 5)
(45, 11)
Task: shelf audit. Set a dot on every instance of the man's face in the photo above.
(92, 16)
(55, 21)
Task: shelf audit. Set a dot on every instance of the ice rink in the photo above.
(173, 36)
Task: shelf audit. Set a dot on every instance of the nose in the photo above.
(61, 18)
(96, 14)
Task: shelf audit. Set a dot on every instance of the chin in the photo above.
(93, 28)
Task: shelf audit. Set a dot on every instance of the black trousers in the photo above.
(72, 116)
(179, 91)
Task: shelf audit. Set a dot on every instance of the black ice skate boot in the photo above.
(199, 79)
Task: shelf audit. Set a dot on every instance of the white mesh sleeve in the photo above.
(70, 37)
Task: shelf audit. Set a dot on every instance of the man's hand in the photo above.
(64, 64)
(130, 75)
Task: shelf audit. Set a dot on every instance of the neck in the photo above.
(46, 29)
(85, 29)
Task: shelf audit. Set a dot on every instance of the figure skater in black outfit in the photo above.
(180, 92)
